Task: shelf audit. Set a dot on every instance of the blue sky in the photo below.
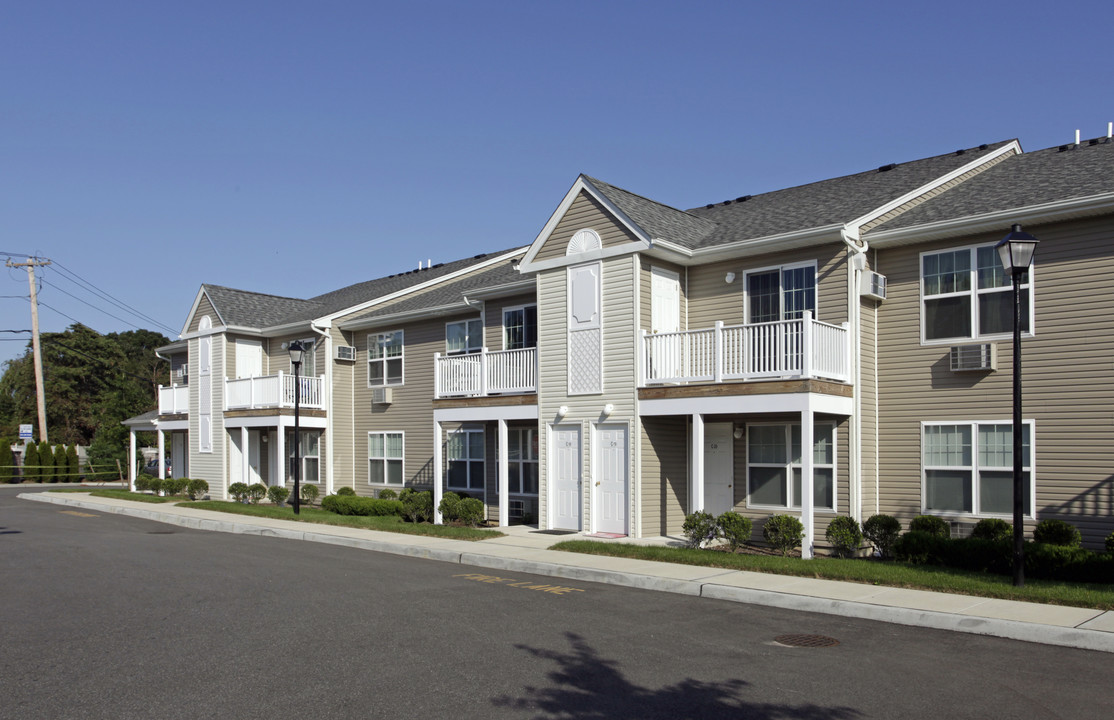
(293, 148)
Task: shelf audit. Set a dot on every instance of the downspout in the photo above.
(330, 439)
(855, 266)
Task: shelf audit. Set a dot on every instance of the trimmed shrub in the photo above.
(932, 525)
(59, 457)
(309, 494)
(143, 482)
(919, 547)
(277, 494)
(992, 529)
(31, 463)
(1067, 564)
(7, 461)
(46, 463)
(155, 485)
(353, 505)
(449, 507)
(388, 494)
(239, 492)
(470, 511)
(699, 528)
(416, 506)
(73, 464)
(346, 491)
(734, 528)
(197, 488)
(1057, 532)
(256, 493)
(882, 531)
(174, 486)
(783, 532)
(1110, 543)
(845, 535)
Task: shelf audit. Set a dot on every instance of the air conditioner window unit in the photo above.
(382, 396)
(974, 358)
(872, 285)
(344, 352)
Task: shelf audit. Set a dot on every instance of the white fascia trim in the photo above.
(999, 219)
(504, 290)
(394, 318)
(193, 309)
(276, 330)
(174, 347)
(581, 184)
(587, 257)
(770, 243)
(170, 425)
(205, 333)
(275, 421)
(327, 320)
(483, 414)
(853, 227)
(749, 404)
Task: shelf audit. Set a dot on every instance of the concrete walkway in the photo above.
(525, 550)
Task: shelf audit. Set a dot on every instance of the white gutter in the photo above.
(856, 264)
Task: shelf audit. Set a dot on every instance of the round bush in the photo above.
(845, 535)
(734, 528)
(449, 507)
(882, 531)
(471, 511)
(345, 491)
(155, 485)
(310, 493)
(932, 525)
(992, 529)
(143, 483)
(238, 491)
(416, 506)
(277, 494)
(197, 488)
(388, 494)
(783, 533)
(699, 528)
(1057, 532)
(256, 492)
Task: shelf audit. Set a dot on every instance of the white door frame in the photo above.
(597, 473)
(709, 479)
(551, 474)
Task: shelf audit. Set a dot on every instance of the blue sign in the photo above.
(25, 432)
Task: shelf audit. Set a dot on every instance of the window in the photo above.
(967, 295)
(384, 359)
(783, 293)
(520, 327)
(774, 465)
(466, 336)
(309, 358)
(384, 458)
(522, 460)
(466, 460)
(309, 453)
(968, 468)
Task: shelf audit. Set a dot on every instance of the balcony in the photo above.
(273, 391)
(789, 349)
(174, 400)
(502, 372)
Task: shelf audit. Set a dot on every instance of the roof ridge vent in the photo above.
(743, 198)
(960, 152)
(709, 206)
(984, 146)
(887, 168)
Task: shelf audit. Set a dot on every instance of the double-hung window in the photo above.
(465, 450)
(384, 458)
(774, 466)
(309, 453)
(520, 327)
(522, 460)
(968, 468)
(384, 359)
(465, 336)
(966, 295)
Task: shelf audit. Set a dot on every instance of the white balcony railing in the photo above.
(486, 373)
(803, 348)
(273, 391)
(174, 399)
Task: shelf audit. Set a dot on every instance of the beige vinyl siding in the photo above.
(493, 317)
(867, 391)
(584, 213)
(341, 410)
(710, 298)
(645, 309)
(208, 466)
(204, 307)
(665, 470)
(1068, 384)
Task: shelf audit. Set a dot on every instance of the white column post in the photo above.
(643, 359)
(162, 453)
(483, 372)
(245, 465)
(280, 450)
(807, 483)
(438, 482)
(719, 351)
(436, 375)
(131, 459)
(806, 344)
(697, 479)
(504, 475)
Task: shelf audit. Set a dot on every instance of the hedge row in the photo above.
(354, 505)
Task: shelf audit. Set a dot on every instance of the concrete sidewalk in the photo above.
(525, 550)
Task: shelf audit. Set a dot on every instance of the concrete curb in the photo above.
(1075, 637)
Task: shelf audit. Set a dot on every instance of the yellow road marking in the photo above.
(75, 512)
(522, 584)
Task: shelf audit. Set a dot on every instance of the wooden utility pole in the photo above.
(36, 351)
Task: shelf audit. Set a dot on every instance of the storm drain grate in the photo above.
(812, 641)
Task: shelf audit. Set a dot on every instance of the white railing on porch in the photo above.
(803, 348)
(486, 373)
(271, 391)
(174, 399)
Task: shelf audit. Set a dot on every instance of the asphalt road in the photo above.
(107, 616)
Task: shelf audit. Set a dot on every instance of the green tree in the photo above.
(73, 464)
(46, 463)
(110, 444)
(61, 473)
(31, 462)
(7, 461)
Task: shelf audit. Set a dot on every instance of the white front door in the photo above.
(564, 474)
(249, 358)
(719, 467)
(665, 317)
(611, 479)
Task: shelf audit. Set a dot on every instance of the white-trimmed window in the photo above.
(781, 293)
(465, 451)
(384, 359)
(966, 295)
(522, 461)
(774, 465)
(309, 454)
(520, 327)
(464, 336)
(384, 458)
(309, 358)
(968, 468)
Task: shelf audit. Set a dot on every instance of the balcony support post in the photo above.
(504, 474)
(162, 452)
(483, 372)
(718, 351)
(131, 459)
(280, 449)
(807, 481)
(806, 344)
(438, 481)
(436, 375)
(697, 490)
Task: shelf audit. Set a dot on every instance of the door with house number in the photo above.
(564, 471)
(719, 468)
(611, 479)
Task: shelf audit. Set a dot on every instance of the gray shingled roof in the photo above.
(258, 310)
(660, 221)
(1034, 178)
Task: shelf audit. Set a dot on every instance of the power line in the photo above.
(105, 296)
(75, 297)
(62, 313)
(55, 341)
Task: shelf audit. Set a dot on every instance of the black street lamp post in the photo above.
(1016, 251)
(296, 352)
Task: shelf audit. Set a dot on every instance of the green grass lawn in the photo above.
(119, 494)
(870, 572)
